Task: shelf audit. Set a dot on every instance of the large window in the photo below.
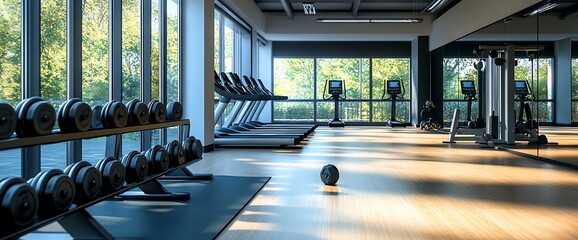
(539, 74)
(303, 80)
(95, 52)
(10, 73)
(455, 70)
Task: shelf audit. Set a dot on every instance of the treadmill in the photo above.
(230, 137)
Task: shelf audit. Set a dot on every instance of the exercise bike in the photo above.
(526, 129)
(394, 90)
(335, 90)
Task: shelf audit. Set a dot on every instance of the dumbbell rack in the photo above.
(77, 221)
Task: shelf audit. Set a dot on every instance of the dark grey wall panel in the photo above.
(341, 49)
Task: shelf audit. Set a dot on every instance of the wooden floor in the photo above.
(565, 151)
(399, 184)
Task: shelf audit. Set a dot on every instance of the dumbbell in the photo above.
(87, 181)
(157, 112)
(176, 153)
(96, 118)
(174, 111)
(35, 117)
(19, 203)
(8, 120)
(138, 112)
(74, 116)
(193, 148)
(136, 166)
(113, 174)
(55, 192)
(114, 114)
(158, 159)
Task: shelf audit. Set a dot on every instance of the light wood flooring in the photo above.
(399, 184)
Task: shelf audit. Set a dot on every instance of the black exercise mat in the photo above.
(212, 206)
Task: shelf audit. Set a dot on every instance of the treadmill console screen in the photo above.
(521, 87)
(335, 87)
(393, 87)
(468, 87)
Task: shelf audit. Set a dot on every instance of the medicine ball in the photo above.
(329, 174)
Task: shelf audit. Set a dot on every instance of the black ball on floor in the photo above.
(329, 174)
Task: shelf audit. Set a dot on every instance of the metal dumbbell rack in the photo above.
(77, 221)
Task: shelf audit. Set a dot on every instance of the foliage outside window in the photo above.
(10, 73)
(295, 78)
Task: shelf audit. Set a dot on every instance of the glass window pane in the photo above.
(173, 51)
(355, 72)
(293, 77)
(131, 64)
(155, 49)
(53, 71)
(293, 111)
(384, 69)
(229, 47)
(130, 50)
(95, 82)
(10, 73)
(354, 111)
(217, 34)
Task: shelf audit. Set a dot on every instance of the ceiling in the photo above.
(354, 6)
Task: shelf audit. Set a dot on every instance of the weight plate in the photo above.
(19, 202)
(176, 153)
(80, 117)
(193, 148)
(8, 120)
(61, 190)
(22, 129)
(105, 116)
(63, 113)
(96, 121)
(119, 113)
(115, 174)
(142, 112)
(174, 111)
(157, 112)
(158, 159)
(40, 118)
(88, 182)
(136, 166)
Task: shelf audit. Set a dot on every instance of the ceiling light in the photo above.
(433, 6)
(365, 20)
(309, 8)
(542, 9)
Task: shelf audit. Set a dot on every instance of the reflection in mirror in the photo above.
(545, 61)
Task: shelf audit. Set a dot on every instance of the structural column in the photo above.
(437, 84)
(563, 81)
(197, 66)
(420, 77)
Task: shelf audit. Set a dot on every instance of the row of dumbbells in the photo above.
(35, 116)
(54, 191)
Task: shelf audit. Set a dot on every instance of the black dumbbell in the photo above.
(176, 153)
(113, 174)
(158, 159)
(114, 115)
(136, 166)
(35, 117)
(138, 112)
(74, 116)
(193, 148)
(87, 180)
(96, 118)
(157, 112)
(174, 111)
(8, 120)
(19, 203)
(55, 192)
